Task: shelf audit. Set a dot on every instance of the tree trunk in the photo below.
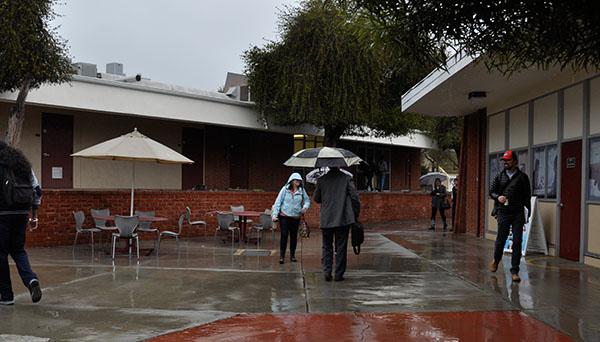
(332, 135)
(17, 116)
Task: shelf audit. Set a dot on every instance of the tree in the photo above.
(328, 71)
(31, 54)
(508, 35)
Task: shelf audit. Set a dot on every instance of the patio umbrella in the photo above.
(322, 157)
(134, 147)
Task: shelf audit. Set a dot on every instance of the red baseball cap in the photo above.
(508, 155)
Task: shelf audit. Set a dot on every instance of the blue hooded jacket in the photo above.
(288, 203)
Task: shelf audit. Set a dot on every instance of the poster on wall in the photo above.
(594, 172)
(552, 164)
(523, 158)
(534, 238)
(539, 172)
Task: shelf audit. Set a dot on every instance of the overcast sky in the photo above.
(185, 42)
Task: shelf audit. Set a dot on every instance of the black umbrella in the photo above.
(322, 157)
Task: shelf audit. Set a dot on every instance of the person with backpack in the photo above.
(291, 203)
(511, 192)
(20, 194)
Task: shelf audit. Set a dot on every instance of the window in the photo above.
(523, 157)
(375, 174)
(545, 161)
(495, 166)
(594, 170)
(302, 141)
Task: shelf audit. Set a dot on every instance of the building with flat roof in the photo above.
(550, 118)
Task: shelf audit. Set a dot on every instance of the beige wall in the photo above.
(593, 228)
(31, 138)
(592, 261)
(91, 129)
(558, 81)
(519, 127)
(595, 106)
(573, 112)
(548, 215)
(496, 132)
(545, 119)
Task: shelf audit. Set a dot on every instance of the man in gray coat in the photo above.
(340, 207)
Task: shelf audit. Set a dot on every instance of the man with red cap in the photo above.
(511, 192)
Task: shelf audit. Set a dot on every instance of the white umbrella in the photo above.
(134, 147)
(315, 174)
(429, 178)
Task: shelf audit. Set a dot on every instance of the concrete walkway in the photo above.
(413, 279)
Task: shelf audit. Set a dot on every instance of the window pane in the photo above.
(594, 171)
(539, 171)
(552, 163)
(298, 145)
(495, 167)
(523, 160)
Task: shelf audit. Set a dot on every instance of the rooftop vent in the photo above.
(115, 68)
(86, 69)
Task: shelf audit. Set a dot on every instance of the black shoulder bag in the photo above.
(512, 182)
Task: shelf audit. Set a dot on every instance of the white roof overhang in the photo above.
(445, 91)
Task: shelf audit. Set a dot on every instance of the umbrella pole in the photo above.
(132, 186)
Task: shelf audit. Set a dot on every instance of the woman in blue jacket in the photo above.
(291, 203)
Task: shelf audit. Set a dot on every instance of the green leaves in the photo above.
(330, 70)
(29, 49)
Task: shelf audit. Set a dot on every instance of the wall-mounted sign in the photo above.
(571, 162)
(57, 173)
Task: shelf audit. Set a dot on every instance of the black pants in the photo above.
(442, 214)
(453, 213)
(506, 221)
(340, 235)
(289, 226)
(12, 242)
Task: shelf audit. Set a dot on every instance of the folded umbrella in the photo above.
(323, 157)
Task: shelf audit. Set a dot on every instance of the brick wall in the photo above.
(57, 226)
(404, 178)
(471, 203)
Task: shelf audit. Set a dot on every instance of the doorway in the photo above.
(57, 147)
(192, 175)
(570, 200)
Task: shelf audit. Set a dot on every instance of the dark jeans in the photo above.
(442, 214)
(12, 241)
(340, 234)
(506, 221)
(289, 226)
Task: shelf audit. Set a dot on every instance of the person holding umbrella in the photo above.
(438, 202)
(340, 205)
(291, 203)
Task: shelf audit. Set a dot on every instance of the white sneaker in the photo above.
(7, 302)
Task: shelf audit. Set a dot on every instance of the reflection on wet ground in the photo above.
(403, 269)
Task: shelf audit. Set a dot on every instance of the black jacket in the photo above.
(438, 197)
(518, 193)
(340, 204)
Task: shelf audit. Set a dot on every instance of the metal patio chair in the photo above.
(170, 233)
(126, 225)
(188, 216)
(145, 226)
(224, 222)
(266, 224)
(79, 221)
(101, 223)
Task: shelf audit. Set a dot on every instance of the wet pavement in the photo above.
(407, 281)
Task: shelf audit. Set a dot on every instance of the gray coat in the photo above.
(339, 200)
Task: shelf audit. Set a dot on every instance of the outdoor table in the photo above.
(142, 219)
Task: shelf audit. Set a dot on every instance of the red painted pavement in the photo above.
(437, 326)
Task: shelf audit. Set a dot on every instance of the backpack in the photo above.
(15, 192)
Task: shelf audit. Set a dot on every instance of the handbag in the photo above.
(446, 204)
(303, 228)
(358, 236)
